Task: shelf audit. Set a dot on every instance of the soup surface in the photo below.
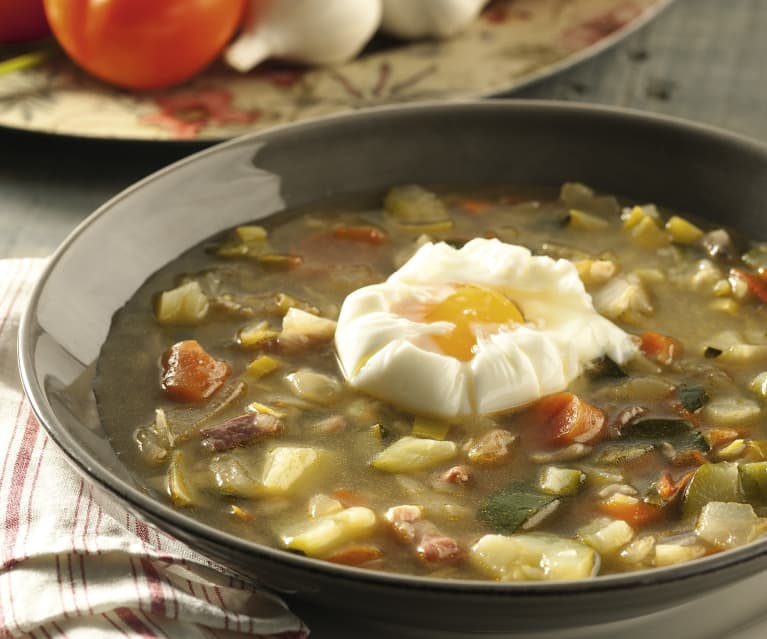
(226, 386)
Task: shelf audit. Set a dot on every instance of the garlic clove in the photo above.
(413, 19)
(319, 32)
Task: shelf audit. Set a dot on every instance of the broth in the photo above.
(676, 468)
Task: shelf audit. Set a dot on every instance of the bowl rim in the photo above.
(99, 475)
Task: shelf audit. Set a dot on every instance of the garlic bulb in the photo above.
(321, 32)
(429, 18)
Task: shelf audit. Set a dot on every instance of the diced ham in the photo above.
(428, 542)
(457, 475)
(240, 430)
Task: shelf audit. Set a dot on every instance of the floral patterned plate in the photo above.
(513, 43)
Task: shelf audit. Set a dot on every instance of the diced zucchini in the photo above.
(314, 387)
(181, 492)
(507, 509)
(251, 233)
(683, 231)
(756, 257)
(232, 478)
(320, 536)
(733, 450)
(256, 334)
(727, 525)
(692, 396)
(606, 536)
(711, 482)
(262, 365)
(533, 556)
(185, 304)
(430, 428)
(647, 234)
(580, 220)
(410, 454)
(753, 480)
(256, 407)
(561, 481)
(287, 468)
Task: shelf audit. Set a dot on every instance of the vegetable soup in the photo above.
(499, 384)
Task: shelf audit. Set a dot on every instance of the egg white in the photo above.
(390, 356)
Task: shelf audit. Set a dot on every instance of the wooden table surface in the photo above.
(704, 60)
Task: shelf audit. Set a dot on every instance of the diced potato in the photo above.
(745, 353)
(633, 216)
(410, 454)
(321, 505)
(261, 366)
(315, 387)
(533, 556)
(181, 492)
(595, 272)
(727, 411)
(430, 428)
(606, 536)
(185, 304)
(232, 478)
(561, 481)
(759, 384)
(639, 550)
(669, 554)
(287, 468)
(298, 323)
(412, 204)
(256, 334)
(683, 231)
(320, 536)
(725, 304)
(728, 524)
(583, 221)
(251, 233)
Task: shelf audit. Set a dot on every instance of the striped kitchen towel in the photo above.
(68, 569)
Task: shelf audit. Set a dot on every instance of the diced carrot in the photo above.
(567, 419)
(369, 234)
(668, 488)
(756, 284)
(661, 348)
(635, 512)
(473, 206)
(348, 498)
(689, 457)
(190, 374)
(719, 436)
(355, 555)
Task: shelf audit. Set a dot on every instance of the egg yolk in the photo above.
(466, 308)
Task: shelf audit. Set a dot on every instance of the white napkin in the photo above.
(67, 569)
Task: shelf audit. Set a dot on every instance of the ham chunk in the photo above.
(431, 546)
(240, 430)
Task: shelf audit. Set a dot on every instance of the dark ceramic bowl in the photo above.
(690, 168)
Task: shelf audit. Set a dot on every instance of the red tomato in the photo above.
(143, 44)
(22, 20)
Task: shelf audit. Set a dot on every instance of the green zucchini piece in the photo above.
(711, 482)
(677, 432)
(604, 368)
(508, 508)
(753, 480)
(618, 454)
(692, 396)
